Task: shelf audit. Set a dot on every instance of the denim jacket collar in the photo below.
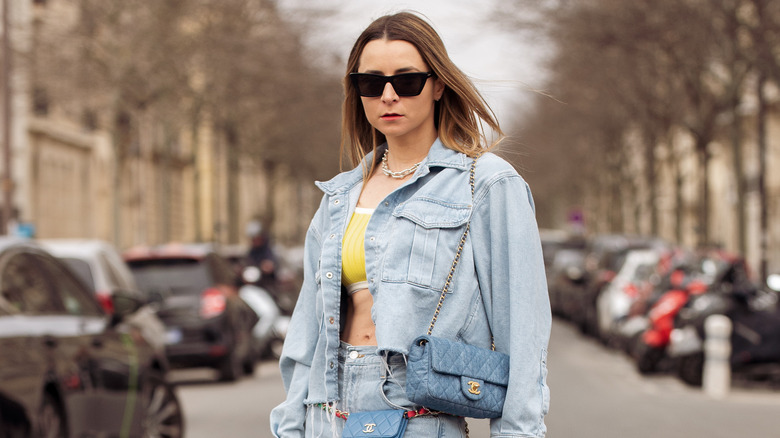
(438, 156)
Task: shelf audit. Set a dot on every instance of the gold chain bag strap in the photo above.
(451, 376)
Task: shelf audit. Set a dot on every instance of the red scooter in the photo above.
(651, 348)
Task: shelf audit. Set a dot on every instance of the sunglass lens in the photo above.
(370, 86)
(408, 84)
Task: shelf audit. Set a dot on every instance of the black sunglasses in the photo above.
(404, 84)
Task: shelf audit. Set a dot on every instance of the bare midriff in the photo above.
(359, 327)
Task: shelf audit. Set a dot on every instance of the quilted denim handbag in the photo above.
(454, 377)
(389, 423)
(457, 378)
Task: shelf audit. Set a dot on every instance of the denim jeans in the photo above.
(367, 382)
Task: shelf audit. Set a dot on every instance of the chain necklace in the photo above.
(401, 173)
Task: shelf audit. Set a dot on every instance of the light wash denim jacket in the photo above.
(410, 242)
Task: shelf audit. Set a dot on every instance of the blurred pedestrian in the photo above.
(261, 253)
(381, 246)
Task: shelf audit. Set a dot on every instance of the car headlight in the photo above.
(574, 273)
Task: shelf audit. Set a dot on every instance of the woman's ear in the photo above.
(438, 89)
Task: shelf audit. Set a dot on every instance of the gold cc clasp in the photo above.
(369, 428)
(473, 387)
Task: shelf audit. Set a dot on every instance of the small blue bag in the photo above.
(389, 423)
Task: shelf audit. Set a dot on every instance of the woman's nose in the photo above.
(388, 95)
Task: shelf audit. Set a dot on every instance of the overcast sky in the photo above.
(505, 67)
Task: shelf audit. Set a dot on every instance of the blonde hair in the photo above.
(460, 115)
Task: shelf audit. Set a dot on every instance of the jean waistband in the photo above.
(366, 354)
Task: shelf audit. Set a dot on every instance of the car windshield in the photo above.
(82, 271)
(176, 277)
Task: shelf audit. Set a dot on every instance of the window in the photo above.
(40, 101)
(24, 288)
(89, 120)
(81, 269)
(171, 276)
(113, 279)
(36, 284)
(75, 297)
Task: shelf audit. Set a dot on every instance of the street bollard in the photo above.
(716, 380)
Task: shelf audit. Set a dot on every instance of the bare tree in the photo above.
(761, 19)
(111, 65)
(233, 64)
(650, 66)
(269, 105)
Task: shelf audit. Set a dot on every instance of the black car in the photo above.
(68, 369)
(606, 254)
(207, 322)
(566, 280)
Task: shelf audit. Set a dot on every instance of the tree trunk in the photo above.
(703, 228)
(269, 212)
(678, 203)
(762, 195)
(116, 205)
(736, 147)
(650, 180)
(121, 134)
(165, 169)
(197, 201)
(231, 135)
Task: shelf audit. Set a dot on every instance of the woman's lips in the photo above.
(391, 116)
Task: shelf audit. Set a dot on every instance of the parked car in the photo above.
(618, 302)
(552, 240)
(207, 322)
(606, 255)
(565, 281)
(100, 266)
(67, 368)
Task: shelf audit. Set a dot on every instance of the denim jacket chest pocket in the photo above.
(424, 235)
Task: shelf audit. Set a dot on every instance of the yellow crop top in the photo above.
(353, 254)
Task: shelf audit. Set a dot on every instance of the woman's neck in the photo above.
(404, 152)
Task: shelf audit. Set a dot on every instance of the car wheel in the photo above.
(231, 367)
(690, 369)
(51, 419)
(249, 366)
(648, 358)
(163, 415)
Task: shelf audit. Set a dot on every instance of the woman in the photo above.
(381, 245)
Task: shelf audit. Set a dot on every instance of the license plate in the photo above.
(173, 336)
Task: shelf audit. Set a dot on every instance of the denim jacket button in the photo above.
(353, 354)
(332, 320)
(332, 236)
(329, 275)
(372, 238)
(336, 202)
(331, 365)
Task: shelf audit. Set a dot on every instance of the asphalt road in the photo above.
(595, 392)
